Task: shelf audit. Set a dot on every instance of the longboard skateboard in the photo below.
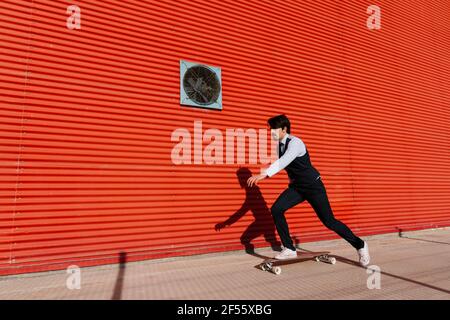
(273, 265)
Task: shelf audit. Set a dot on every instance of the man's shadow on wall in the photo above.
(263, 224)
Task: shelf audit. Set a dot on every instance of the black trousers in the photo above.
(317, 197)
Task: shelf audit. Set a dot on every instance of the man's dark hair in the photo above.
(280, 121)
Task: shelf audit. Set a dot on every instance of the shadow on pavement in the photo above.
(117, 295)
(356, 264)
(401, 235)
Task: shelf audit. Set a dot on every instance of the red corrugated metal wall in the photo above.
(87, 117)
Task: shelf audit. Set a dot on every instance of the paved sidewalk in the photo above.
(415, 266)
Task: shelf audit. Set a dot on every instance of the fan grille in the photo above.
(201, 85)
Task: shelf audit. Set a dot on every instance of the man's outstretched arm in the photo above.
(295, 148)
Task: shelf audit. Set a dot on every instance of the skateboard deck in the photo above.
(273, 265)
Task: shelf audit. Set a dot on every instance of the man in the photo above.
(305, 184)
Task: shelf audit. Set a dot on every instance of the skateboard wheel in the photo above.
(317, 259)
(333, 260)
(264, 267)
(277, 270)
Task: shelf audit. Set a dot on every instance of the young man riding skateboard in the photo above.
(305, 183)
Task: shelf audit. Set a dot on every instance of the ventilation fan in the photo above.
(200, 85)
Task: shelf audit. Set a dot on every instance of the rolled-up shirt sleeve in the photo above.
(296, 148)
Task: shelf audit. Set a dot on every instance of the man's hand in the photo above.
(253, 180)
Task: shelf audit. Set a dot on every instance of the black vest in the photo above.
(300, 171)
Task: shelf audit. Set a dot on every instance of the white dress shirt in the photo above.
(296, 148)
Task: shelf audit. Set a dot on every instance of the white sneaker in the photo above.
(364, 257)
(286, 254)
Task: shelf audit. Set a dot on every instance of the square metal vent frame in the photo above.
(184, 97)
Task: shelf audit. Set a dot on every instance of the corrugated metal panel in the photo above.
(14, 45)
(88, 116)
(397, 82)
